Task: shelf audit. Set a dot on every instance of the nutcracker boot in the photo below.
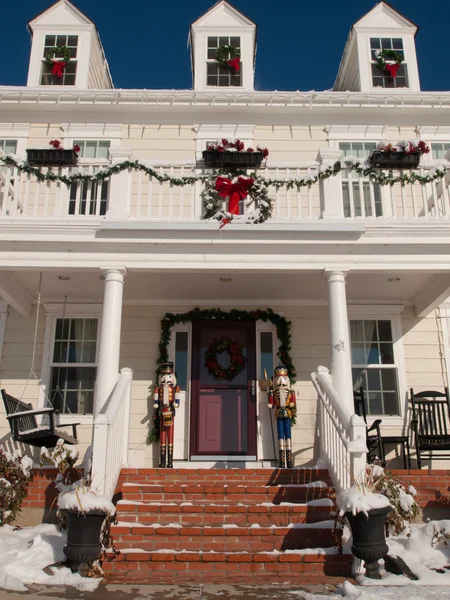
(289, 457)
(281, 457)
(170, 456)
(162, 457)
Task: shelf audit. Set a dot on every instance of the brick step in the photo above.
(225, 494)
(206, 514)
(223, 539)
(212, 476)
(286, 567)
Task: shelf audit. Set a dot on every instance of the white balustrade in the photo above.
(111, 437)
(344, 195)
(342, 435)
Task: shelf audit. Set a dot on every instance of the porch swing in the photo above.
(22, 416)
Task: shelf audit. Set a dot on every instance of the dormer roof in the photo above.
(380, 15)
(225, 14)
(62, 11)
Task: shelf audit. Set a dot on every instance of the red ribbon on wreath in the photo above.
(392, 69)
(235, 64)
(58, 68)
(235, 191)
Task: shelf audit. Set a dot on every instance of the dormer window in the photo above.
(216, 74)
(68, 75)
(382, 78)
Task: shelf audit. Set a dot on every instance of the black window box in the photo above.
(233, 160)
(56, 157)
(394, 160)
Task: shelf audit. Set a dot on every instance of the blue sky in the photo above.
(300, 43)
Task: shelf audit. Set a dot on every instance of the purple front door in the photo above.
(223, 415)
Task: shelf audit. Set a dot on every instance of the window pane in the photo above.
(375, 43)
(50, 41)
(235, 41)
(72, 40)
(181, 359)
(390, 403)
(373, 354)
(8, 146)
(212, 42)
(358, 353)
(387, 354)
(374, 379)
(224, 41)
(375, 404)
(397, 44)
(386, 43)
(389, 379)
(90, 149)
(370, 331)
(103, 150)
(72, 389)
(356, 331)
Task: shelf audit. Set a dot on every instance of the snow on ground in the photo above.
(352, 592)
(26, 552)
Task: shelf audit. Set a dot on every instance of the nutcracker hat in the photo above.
(166, 368)
(280, 371)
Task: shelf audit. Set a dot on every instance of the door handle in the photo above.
(253, 387)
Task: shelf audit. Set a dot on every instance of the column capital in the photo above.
(332, 275)
(109, 272)
(332, 154)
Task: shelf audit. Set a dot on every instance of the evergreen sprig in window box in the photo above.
(231, 154)
(56, 156)
(405, 155)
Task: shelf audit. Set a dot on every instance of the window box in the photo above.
(233, 160)
(380, 159)
(51, 157)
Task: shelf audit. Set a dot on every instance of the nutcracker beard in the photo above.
(166, 437)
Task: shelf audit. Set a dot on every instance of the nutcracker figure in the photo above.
(282, 398)
(166, 399)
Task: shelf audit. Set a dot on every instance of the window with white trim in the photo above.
(381, 78)
(374, 365)
(90, 197)
(73, 367)
(8, 146)
(93, 148)
(68, 76)
(439, 149)
(216, 74)
(359, 192)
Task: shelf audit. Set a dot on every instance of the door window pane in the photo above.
(181, 359)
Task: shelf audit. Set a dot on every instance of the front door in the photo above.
(223, 415)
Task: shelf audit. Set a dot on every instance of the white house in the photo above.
(90, 268)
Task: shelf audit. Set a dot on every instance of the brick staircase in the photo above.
(225, 525)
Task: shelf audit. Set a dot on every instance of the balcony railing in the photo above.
(136, 195)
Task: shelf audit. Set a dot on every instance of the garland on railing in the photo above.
(321, 173)
(170, 319)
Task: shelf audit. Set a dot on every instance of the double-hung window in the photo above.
(8, 146)
(374, 365)
(361, 197)
(73, 367)
(90, 197)
(216, 74)
(69, 73)
(439, 149)
(380, 77)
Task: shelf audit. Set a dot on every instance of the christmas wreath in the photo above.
(236, 188)
(58, 64)
(229, 56)
(395, 60)
(237, 359)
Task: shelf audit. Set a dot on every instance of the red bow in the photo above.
(235, 64)
(392, 69)
(58, 68)
(235, 191)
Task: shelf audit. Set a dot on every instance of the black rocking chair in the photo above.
(374, 443)
(24, 427)
(431, 424)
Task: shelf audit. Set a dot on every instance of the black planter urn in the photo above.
(51, 157)
(83, 537)
(394, 160)
(232, 160)
(369, 540)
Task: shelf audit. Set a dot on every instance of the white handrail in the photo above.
(111, 437)
(342, 435)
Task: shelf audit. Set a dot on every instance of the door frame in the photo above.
(251, 328)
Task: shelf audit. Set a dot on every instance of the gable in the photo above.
(383, 16)
(223, 14)
(62, 13)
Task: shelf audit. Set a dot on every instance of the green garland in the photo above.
(226, 53)
(50, 56)
(170, 319)
(375, 175)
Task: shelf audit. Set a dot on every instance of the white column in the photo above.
(120, 185)
(331, 202)
(341, 366)
(109, 347)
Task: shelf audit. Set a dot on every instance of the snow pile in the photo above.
(85, 500)
(26, 552)
(356, 500)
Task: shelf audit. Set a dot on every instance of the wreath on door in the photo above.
(237, 359)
